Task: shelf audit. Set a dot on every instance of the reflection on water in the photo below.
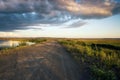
(10, 43)
(6, 43)
(30, 43)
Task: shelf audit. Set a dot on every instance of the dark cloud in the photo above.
(116, 9)
(76, 24)
(17, 14)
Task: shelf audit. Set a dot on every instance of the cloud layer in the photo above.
(19, 14)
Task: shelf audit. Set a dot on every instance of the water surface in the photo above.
(11, 43)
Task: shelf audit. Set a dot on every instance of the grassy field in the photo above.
(100, 57)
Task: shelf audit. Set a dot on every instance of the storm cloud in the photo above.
(20, 14)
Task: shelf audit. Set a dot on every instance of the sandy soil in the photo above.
(48, 61)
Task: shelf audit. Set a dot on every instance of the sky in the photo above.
(60, 18)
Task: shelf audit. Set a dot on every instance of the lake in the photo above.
(11, 43)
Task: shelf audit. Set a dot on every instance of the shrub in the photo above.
(101, 74)
(22, 44)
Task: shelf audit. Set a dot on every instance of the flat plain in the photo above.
(62, 59)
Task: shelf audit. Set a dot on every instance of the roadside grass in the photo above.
(101, 56)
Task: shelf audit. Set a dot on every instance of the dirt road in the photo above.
(49, 61)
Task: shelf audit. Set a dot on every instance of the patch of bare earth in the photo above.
(48, 61)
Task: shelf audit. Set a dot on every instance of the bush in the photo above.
(101, 74)
(37, 40)
(22, 44)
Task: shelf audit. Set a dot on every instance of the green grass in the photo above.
(22, 43)
(101, 56)
(37, 40)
